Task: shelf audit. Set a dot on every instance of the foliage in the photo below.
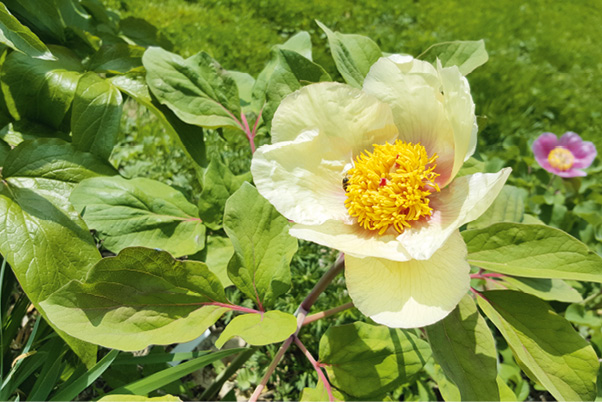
(117, 142)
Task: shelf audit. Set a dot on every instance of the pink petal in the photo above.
(583, 151)
(570, 173)
(542, 147)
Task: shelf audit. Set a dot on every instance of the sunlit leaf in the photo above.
(546, 346)
(467, 55)
(259, 329)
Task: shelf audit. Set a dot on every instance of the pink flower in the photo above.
(565, 157)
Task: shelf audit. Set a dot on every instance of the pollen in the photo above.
(561, 158)
(390, 186)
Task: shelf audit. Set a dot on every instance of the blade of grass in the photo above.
(164, 377)
(212, 391)
(158, 358)
(50, 373)
(7, 387)
(83, 382)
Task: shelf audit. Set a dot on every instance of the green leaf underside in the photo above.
(19, 37)
(40, 90)
(546, 289)
(260, 329)
(507, 207)
(96, 115)
(535, 251)
(44, 240)
(464, 347)
(140, 297)
(196, 89)
(218, 185)
(139, 212)
(545, 345)
(352, 54)
(367, 361)
(467, 55)
(263, 249)
(190, 137)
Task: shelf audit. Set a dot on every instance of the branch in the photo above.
(316, 367)
(327, 313)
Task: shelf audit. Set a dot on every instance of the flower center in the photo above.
(390, 186)
(561, 158)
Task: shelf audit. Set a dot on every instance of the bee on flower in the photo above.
(396, 146)
(564, 157)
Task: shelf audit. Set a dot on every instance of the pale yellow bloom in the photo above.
(372, 173)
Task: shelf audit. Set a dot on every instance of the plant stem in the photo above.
(271, 369)
(327, 313)
(316, 367)
(301, 313)
(233, 307)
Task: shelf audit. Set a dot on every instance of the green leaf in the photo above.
(259, 329)
(139, 212)
(116, 58)
(96, 115)
(16, 132)
(300, 43)
(581, 315)
(464, 347)
(196, 89)
(40, 90)
(319, 394)
(218, 185)
(546, 289)
(509, 206)
(81, 383)
(545, 345)
(4, 150)
(219, 253)
(467, 55)
(138, 398)
(263, 248)
(188, 136)
(244, 83)
(366, 361)
(352, 54)
(140, 297)
(44, 240)
(535, 251)
(291, 72)
(164, 377)
(18, 37)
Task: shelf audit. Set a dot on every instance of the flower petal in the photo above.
(413, 293)
(352, 239)
(461, 112)
(542, 147)
(584, 151)
(336, 110)
(409, 88)
(303, 178)
(464, 200)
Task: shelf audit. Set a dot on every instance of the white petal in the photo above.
(413, 293)
(337, 111)
(303, 178)
(460, 111)
(413, 90)
(464, 200)
(352, 239)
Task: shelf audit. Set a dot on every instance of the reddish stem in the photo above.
(316, 367)
(327, 313)
(271, 369)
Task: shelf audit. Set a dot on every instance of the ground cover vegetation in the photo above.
(72, 138)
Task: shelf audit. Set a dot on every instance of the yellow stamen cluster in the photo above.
(561, 158)
(390, 186)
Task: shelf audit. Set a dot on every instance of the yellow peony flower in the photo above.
(372, 173)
